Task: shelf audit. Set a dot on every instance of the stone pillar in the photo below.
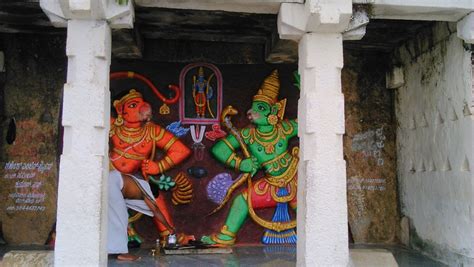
(84, 166)
(322, 201)
(322, 204)
(81, 230)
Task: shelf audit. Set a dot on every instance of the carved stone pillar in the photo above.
(322, 205)
(83, 171)
(82, 192)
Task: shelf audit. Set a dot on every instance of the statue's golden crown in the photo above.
(131, 94)
(269, 89)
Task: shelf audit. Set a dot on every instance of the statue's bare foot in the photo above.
(184, 239)
(127, 257)
(207, 240)
(219, 239)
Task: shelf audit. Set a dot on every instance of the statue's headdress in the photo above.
(131, 94)
(201, 71)
(118, 105)
(268, 93)
(269, 89)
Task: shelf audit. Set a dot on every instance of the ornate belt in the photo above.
(128, 155)
(283, 179)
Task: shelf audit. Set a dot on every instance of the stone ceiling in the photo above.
(179, 35)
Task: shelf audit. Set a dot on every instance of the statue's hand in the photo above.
(249, 165)
(149, 167)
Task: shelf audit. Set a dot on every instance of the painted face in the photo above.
(259, 112)
(136, 110)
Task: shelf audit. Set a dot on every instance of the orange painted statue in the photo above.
(134, 140)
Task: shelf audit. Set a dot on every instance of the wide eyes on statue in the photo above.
(261, 108)
(133, 105)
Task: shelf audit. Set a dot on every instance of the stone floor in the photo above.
(241, 256)
(271, 256)
(406, 257)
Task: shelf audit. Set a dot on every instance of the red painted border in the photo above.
(182, 76)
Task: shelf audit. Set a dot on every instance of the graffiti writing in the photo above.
(27, 193)
(370, 143)
(370, 184)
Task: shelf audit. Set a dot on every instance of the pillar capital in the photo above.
(318, 16)
(465, 28)
(60, 11)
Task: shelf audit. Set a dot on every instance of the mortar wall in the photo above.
(434, 144)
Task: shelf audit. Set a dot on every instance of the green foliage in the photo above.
(297, 77)
(164, 182)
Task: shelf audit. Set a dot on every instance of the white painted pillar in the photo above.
(322, 197)
(82, 191)
(83, 171)
(322, 204)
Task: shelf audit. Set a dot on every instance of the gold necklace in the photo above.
(269, 135)
(131, 138)
(268, 142)
(131, 129)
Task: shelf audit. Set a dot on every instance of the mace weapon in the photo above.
(226, 115)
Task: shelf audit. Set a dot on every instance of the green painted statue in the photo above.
(264, 146)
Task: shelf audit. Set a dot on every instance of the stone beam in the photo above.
(356, 29)
(465, 28)
(245, 6)
(60, 11)
(437, 10)
(278, 51)
(127, 43)
(282, 52)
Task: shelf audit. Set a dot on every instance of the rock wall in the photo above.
(434, 144)
(33, 91)
(369, 148)
(35, 72)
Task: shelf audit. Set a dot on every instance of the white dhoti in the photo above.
(117, 237)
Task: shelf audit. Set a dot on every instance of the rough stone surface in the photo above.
(405, 231)
(369, 149)
(394, 78)
(18, 258)
(434, 145)
(34, 73)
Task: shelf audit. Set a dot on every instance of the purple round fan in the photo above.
(217, 187)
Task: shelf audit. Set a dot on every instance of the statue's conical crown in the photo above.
(269, 89)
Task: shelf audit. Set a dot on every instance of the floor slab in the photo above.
(271, 256)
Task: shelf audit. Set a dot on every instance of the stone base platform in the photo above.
(195, 251)
(24, 258)
(372, 258)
